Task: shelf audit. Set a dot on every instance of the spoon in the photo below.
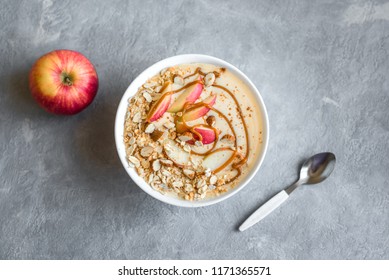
(314, 170)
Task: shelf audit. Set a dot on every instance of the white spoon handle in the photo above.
(265, 210)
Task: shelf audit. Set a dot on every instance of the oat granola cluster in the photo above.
(148, 146)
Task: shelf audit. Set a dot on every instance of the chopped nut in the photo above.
(166, 173)
(149, 85)
(200, 183)
(187, 148)
(211, 120)
(151, 177)
(140, 171)
(169, 125)
(166, 162)
(213, 180)
(156, 134)
(131, 149)
(228, 138)
(159, 149)
(137, 117)
(141, 142)
(195, 161)
(139, 101)
(199, 143)
(208, 172)
(188, 188)
(177, 184)
(150, 128)
(209, 79)
(220, 182)
(145, 163)
(178, 79)
(172, 135)
(147, 96)
(167, 147)
(146, 151)
(186, 136)
(134, 160)
(156, 165)
(189, 173)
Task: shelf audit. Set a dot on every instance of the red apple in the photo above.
(63, 82)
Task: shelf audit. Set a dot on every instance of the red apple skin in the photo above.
(63, 82)
(190, 95)
(208, 135)
(159, 108)
(197, 112)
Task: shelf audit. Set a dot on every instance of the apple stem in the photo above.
(68, 81)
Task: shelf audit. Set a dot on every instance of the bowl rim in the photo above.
(150, 72)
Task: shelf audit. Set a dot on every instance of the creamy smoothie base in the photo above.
(193, 131)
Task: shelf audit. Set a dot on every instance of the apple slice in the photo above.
(160, 107)
(199, 109)
(175, 153)
(208, 135)
(217, 159)
(190, 95)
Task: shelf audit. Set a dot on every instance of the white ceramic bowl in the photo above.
(150, 72)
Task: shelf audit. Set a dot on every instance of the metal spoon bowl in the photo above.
(313, 171)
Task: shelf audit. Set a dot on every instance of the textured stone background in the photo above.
(322, 68)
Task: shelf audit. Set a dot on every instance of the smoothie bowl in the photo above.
(191, 130)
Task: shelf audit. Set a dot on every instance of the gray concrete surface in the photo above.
(322, 68)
